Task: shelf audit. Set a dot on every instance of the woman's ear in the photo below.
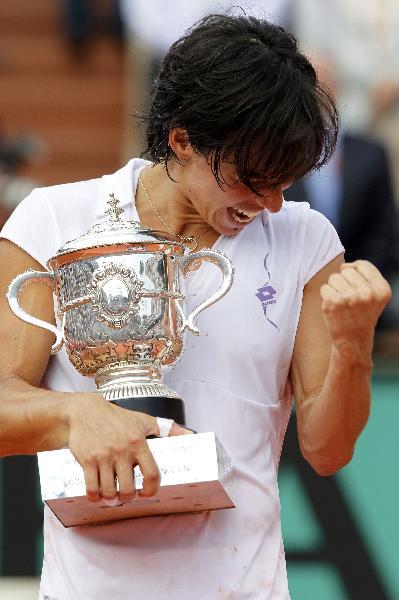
(179, 143)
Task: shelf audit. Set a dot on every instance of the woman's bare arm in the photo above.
(31, 419)
(331, 367)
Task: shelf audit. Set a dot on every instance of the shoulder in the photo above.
(298, 215)
(69, 203)
(69, 209)
(50, 216)
(291, 213)
(297, 221)
(308, 234)
(71, 196)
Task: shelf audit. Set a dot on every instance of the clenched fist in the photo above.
(352, 302)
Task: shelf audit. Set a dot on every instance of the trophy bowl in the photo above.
(120, 297)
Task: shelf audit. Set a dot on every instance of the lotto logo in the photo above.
(266, 294)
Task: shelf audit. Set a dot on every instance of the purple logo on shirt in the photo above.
(267, 293)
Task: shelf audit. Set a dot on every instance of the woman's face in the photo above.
(230, 208)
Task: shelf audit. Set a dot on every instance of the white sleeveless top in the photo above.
(234, 380)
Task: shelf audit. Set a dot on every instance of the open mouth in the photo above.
(243, 215)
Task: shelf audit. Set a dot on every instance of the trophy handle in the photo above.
(13, 291)
(189, 263)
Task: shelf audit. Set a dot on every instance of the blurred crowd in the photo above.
(355, 48)
(15, 154)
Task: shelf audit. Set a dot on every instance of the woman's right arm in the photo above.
(105, 439)
(31, 419)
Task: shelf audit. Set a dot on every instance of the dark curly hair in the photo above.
(244, 93)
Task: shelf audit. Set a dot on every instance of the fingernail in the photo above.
(111, 502)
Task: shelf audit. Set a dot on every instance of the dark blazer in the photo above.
(368, 219)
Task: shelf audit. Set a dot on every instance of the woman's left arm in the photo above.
(331, 366)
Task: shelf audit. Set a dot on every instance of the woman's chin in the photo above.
(229, 227)
(235, 228)
(229, 231)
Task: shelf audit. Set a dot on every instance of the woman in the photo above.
(237, 115)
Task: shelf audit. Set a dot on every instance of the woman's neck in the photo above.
(162, 204)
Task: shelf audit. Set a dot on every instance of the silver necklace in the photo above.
(188, 241)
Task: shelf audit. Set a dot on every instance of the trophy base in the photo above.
(156, 406)
(196, 476)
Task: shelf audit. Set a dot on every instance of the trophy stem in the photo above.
(138, 387)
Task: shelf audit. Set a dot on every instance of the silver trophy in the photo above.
(121, 307)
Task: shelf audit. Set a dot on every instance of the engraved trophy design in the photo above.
(120, 296)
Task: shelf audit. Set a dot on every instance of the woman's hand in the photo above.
(352, 302)
(108, 441)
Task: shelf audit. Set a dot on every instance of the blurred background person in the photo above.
(83, 19)
(361, 38)
(16, 153)
(355, 192)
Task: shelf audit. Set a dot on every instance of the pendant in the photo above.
(191, 240)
